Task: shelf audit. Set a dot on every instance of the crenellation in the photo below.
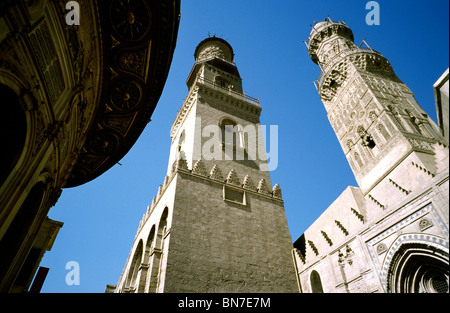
(208, 231)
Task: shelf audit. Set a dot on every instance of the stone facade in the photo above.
(441, 98)
(216, 223)
(389, 234)
(75, 100)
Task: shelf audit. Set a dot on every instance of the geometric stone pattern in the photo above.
(400, 162)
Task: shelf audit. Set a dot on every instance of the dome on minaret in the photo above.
(214, 47)
(323, 30)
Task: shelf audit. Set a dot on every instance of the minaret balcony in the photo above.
(228, 91)
(328, 66)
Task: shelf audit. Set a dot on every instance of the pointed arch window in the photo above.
(231, 133)
(158, 251)
(358, 159)
(134, 267)
(383, 132)
(180, 153)
(316, 282)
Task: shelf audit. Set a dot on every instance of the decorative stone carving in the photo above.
(300, 255)
(263, 187)
(399, 187)
(420, 144)
(232, 178)
(180, 164)
(102, 142)
(199, 168)
(125, 94)
(381, 248)
(276, 191)
(328, 240)
(215, 49)
(248, 183)
(121, 124)
(133, 61)
(313, 247)
(376, 202)
(373, 115)
(216, 173)
(130, 20)
(424, 224)
(358, 215)
(341, 227)
(166, 180)
(48, 63)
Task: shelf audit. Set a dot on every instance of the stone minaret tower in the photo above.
(216, 224)
(386, 136)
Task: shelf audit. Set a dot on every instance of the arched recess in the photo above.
(383, 132)
(158, 252)
(316, 282)
(419, 266)
(148, 258)
(135, 266)
(18, 230)
(232, 135)
(13, 130)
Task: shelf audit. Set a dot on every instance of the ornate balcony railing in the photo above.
(241, 96)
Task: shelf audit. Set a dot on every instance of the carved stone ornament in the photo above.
(102, 142)
(125, 94)
(180, 164)
(263, 187)
(381, 248)
(216, 173)
(131, 19)
(424, 224)
(232, 178)
(276, 191)
(199, 168)
(248, 183)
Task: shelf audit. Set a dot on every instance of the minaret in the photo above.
(216, 224)
(387, 137)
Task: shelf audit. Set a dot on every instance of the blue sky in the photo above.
(101, 217)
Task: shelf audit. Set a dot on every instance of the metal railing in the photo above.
(241, 96)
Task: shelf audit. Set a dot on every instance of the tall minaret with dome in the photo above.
(389, 233)
(381, 128)
(216, 224)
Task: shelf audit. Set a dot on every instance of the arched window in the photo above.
(316, 283)
(383, 132)
(134, 267)
(151, 239)
(157, 256)
(231, 133)
(358, 159)
(222, 82)
(147, 260)
(181, 140)
(415, 268)
(180, 153)
(163, 223)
